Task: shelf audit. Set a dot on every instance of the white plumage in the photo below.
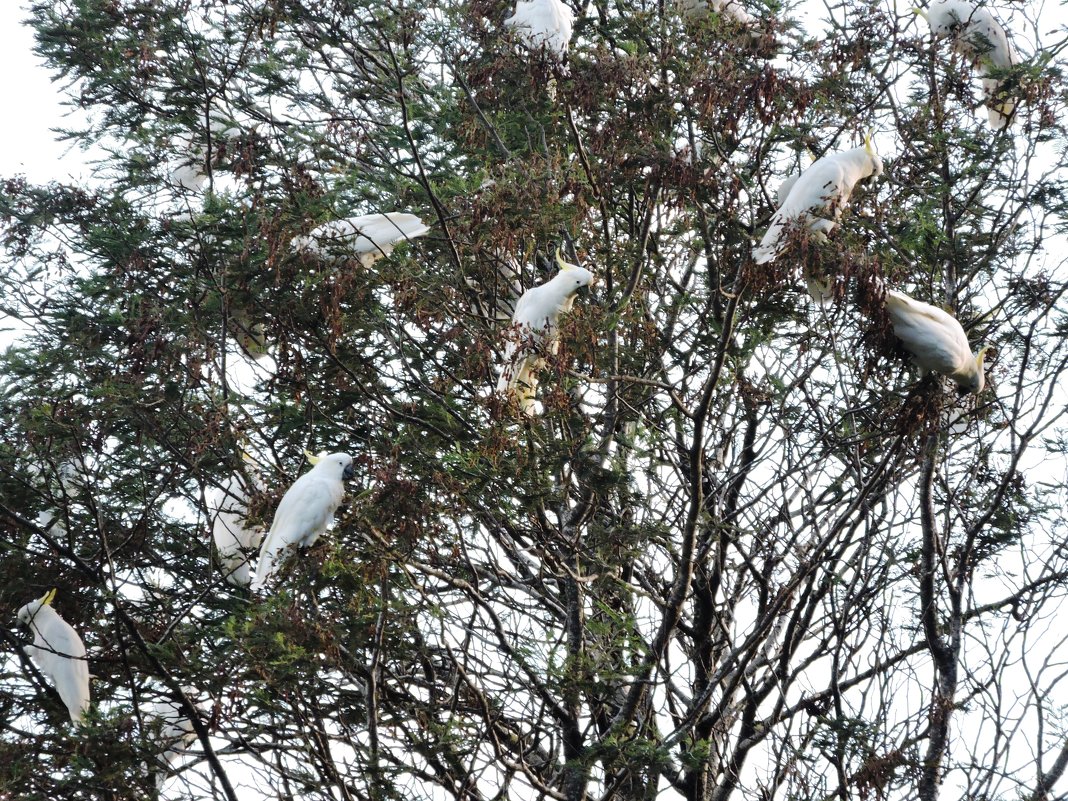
(60, 654)
(176, 732)
(535, 326)
(819, 195)
(696, 9)
(304, 513)
(234, 539)
(981, 39)
(543, 22)
(369, 237)
(936, 340)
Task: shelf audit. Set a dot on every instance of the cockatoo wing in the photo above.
(234, 538)
(543, 22)
(931, 335)
(372, 234)
(380, 232)
(60, 653)
(303, 514)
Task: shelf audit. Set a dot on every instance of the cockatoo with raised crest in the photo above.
(368, 237)
(60, 654)
(978, 37)
(819, 195)
(535, 326)
(936, 341)
(305, 512)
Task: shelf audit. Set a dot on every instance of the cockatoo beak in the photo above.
(48, 597)
(349, 471)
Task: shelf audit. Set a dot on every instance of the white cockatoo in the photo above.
(60, 654)
(535, 326)
(368, 237)
(192, 170)
(305, 512)
(936, 341)
(543, 22)
(978, 37)
(234, 538)
(696, 9)
(819, 195)
(176, 732)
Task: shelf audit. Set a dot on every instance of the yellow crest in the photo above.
(314, 459)
(981, 355)
(48, 597)
(868, 147)
(563, 264)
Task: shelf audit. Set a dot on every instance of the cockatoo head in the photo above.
(876, 162)
(332, 463)
(30, 610)
(976, 381)
(574, 277)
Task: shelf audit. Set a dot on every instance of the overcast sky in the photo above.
(33, 103)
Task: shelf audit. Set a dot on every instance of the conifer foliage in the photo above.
(743, 548)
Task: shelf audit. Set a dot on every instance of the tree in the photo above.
(745, 550)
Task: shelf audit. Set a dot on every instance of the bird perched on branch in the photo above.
(978, 37)
(305, 512)
(819, 195)
(535, 326)
(936, 341)
(60, 654)
(696, 9)
(176, 732)
(234, 539)
(545, 23)
(368, 237)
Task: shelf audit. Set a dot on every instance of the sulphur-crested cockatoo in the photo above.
(819, 195)
(176, 732)
(696, 9)
(535, 327)
(936, 340)
(368, 237)
(543, 22)
(60, 654)
(235, 539)
(979, 38)
(305, 512)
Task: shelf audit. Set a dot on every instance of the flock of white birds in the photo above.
(813, 200)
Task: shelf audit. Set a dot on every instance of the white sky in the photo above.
(27, 145)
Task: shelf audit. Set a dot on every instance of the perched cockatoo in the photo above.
(696, 9)
(978, 37)
(543, 22)
(234, 539)
(192, 170)
(368, 237)
(535, 325)
(936, 341)
(60, 654)
(176, 733)
(305, 512)
(819, 195)
(50, 522)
